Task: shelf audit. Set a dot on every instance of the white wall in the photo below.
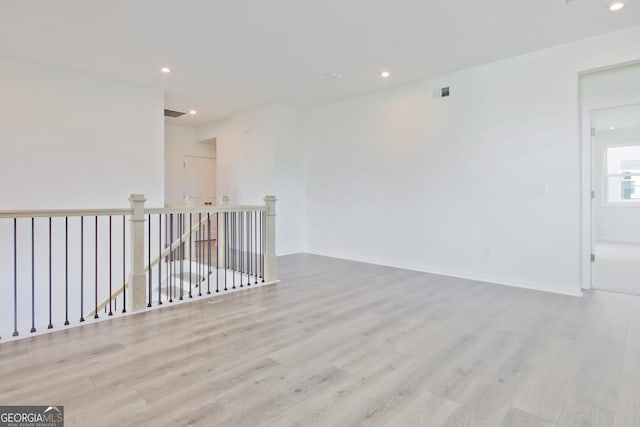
(290, 181)
(445, 185)
(610, 87)
(72, 140)
(258, 153)
(180, 141)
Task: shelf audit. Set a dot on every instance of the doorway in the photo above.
(616, 199)
(199, 187)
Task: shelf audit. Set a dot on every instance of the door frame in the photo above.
(184, 172)
(586, 150)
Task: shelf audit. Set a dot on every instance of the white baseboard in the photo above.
(536, 286)
(615, 240)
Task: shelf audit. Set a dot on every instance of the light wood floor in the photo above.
(617, 267)
(340, 343)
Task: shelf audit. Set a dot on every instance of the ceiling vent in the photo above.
(171, 113)
(567, 3)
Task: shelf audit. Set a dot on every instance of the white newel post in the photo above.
(222, 244)
(270, 261)
(137, 292)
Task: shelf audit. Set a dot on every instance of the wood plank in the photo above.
(345, 343)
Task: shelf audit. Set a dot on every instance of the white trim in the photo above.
(586, 155)
(606, 239)
(200, 157)
(502, 281)
(608, 67)
(633, 203)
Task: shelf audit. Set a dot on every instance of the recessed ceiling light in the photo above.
(612, 128)
(616, 5)
(193, 112)
(165, 70)
(385, 74)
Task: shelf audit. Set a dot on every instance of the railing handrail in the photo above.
(63, 213)
(205, 209)
(244, 246)
(60, 213)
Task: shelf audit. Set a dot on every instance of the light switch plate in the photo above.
(538, 187)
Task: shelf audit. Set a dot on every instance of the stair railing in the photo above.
(70, 267)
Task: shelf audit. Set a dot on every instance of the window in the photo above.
(623, 174)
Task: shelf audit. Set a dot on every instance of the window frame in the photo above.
(606, 175)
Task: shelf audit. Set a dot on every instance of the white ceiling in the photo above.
(235, 55)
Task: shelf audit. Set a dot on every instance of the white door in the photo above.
(616, 205)
(199, 181)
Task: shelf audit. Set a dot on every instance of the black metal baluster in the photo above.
(230, 243)
(159, 259)
(181, 255)
(245, 253)
(15, 277)
(208, 253)
(200, 256)
(226, 243)
(82, 269)
(243, 241)
(201, 248)
(66, 270)
(264, 244)
(50, 326)
(33, 277)
(217, 251)
(247, 242)
(197, 257)
(198, 253)
(96, 294)
(171, 266)
(235, 249)
(149, 251)
(241, 246)
(255, 233)
(249, 248)
(167, 219)
(110, 267)
(124, 265)
(257, 253)
(248, 256)
(190, 254)
(234, 238)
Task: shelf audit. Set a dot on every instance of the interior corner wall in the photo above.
(290, 179)
(259, 153)
(74, 141)
(484, 184)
